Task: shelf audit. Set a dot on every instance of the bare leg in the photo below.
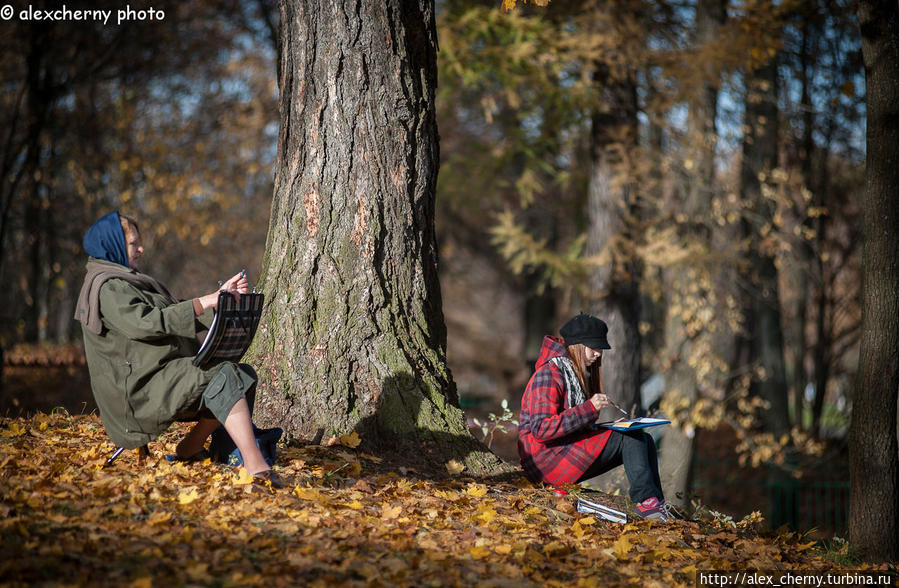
(194, 440)
(240, 428)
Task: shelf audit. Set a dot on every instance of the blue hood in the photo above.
(106, 240)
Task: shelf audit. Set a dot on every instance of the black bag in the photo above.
(223, 450)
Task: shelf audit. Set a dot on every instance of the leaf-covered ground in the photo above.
(345, 518)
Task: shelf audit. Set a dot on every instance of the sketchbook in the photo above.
(232, 329)
(632, 424)
(610, 514)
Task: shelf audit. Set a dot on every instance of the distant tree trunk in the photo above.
(614, 295)
(874, 450)
(805, 256)
(822, 353)
(353, 336)
(38, 101)
(824, 277)
(676, 456)
(763, 323)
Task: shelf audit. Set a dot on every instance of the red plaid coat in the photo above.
(556, 442)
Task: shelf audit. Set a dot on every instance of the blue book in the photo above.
(633, 424)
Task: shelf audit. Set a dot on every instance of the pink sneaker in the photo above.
(655, 510)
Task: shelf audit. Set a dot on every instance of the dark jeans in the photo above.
(637, 451)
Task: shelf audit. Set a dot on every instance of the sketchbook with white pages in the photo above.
(633, 424)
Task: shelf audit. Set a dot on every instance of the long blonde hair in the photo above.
(578, 357)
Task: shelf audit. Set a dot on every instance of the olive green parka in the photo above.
(140, 365)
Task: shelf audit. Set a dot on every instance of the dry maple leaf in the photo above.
(476, 490)
(352, 440)
(242, 477)
(186, 497)
(454, 467)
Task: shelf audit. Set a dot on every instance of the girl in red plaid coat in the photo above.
(558, 440)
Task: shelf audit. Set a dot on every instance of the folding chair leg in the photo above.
(113, 457)
(142, 454)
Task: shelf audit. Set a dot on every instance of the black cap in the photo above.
(586, 330)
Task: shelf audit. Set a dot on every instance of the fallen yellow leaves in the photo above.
(14, 430)
(241, 478)
(622, 546)
(159, 518)
(188, 497)
(352, 440)
(476, 490)
(486, 513)
(344, 519)
(479, 552)
(454, 467)
(307, 493)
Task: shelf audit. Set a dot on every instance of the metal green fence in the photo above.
(801, 505)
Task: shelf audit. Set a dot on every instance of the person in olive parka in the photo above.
(140, 341)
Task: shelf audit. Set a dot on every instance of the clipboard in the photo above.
(634, 424)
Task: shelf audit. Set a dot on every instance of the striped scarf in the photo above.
(575, 392)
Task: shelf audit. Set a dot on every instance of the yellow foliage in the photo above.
(190, 523)
(622, 546)
(14, 430)
(242, 477)
(188, 497)
(454, 467)
(352, 440)
(476, 490)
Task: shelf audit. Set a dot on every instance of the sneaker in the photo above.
(654, 509)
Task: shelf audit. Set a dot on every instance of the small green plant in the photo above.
(496, 423)
(838, 551)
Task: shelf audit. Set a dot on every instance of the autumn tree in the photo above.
(167, 120)
(763, 344)
(611, 203)
(874, 461)
(506, 101)
(685, 341)
(352, 337)
(823, 154)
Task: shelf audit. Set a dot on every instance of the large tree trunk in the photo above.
(681, 379)
(874, 455)
(763, 324)
(353, 336)
(613, 286)
(614, 292)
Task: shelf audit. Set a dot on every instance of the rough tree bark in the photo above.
(353, 336)
(874, 455)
